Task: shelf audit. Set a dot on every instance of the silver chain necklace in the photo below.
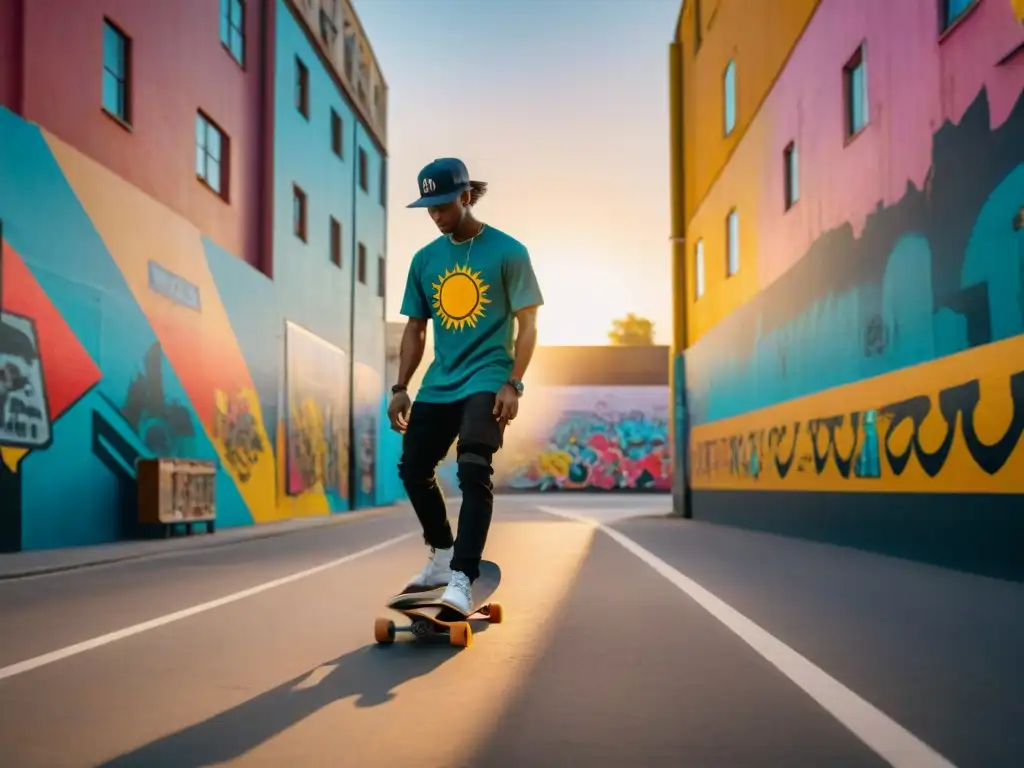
(453, 244)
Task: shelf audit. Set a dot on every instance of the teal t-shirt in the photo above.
(472, 291)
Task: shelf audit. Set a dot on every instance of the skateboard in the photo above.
(430, 618)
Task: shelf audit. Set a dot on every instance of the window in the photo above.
(732, 242)
(361, 267)
(335, 241)
(337, 140)
(791, 169)
(698, 31)
(232, 28)
(382, 277)
(328, 30)
(116, 73)
(301, 88)
(212, 155)
(698, 269)
(383, 182)
(855, 90)
(952, 10)
(729, 94)
(364, 172)
(299, 203)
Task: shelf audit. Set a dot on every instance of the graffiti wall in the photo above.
(316, 381)
(120, 342)
(368, 396)
(584, 438)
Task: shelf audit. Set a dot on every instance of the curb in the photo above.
(198, 543)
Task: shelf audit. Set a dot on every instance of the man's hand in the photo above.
(506, 404)
(398, 411)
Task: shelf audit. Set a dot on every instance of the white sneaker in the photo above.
(437, 572)
(459, 594)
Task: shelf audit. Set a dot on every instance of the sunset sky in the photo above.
(562, 107)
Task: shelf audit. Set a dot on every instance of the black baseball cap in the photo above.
(440, 182)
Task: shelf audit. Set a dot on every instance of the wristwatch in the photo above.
(399, 388)
(517, 385)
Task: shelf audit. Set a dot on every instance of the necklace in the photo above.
(452, 243)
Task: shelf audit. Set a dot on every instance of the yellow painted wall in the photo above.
(759, 37)
(812, 444)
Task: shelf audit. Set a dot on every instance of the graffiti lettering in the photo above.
(962, 399)
(238, 431)
(742, 455)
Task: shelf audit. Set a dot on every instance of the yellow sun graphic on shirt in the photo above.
(459, 298)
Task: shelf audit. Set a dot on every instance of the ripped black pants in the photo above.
(433, 427)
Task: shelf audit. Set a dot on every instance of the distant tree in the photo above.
(632, 331)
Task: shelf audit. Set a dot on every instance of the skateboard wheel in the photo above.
(384, 631)
(494, 613)
(461, 635)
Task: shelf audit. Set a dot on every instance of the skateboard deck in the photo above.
(430, 617)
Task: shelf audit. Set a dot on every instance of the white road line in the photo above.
(889, 739)
(112, 637)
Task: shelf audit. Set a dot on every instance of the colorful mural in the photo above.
(124, 342)
(316, 381)
(367, 423)
(584, 438)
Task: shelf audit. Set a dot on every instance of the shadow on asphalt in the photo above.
(371, 674)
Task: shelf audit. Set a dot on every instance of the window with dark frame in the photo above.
(335, 242)
(791, 170)
(232, 29)
(729, 97)
(301, 88)
(383, 182)
(732, 243)
(337, 136)
(381, 277)
(364, 171)
(299, 203)
(116, 73)
(698, 31)
(361, 267)
(952, 10)
(212, 155)
(328, 29)
(855, 92)
(698, 269)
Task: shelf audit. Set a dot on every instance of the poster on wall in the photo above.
(589, 438)
(369, 390)
(316, 415)
(24, 412)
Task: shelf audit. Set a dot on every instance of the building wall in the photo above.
(10, 54)
(128, 331)
(330, 296)
(870, 382)
(759, 38)
(63, 55)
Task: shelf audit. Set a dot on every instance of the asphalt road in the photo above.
(636, 641)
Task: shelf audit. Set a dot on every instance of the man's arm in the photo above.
(414, 341)
(526, 341)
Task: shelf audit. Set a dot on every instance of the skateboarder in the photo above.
(477, 284)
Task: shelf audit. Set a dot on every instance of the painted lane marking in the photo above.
(891, 741)
(120, 634)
